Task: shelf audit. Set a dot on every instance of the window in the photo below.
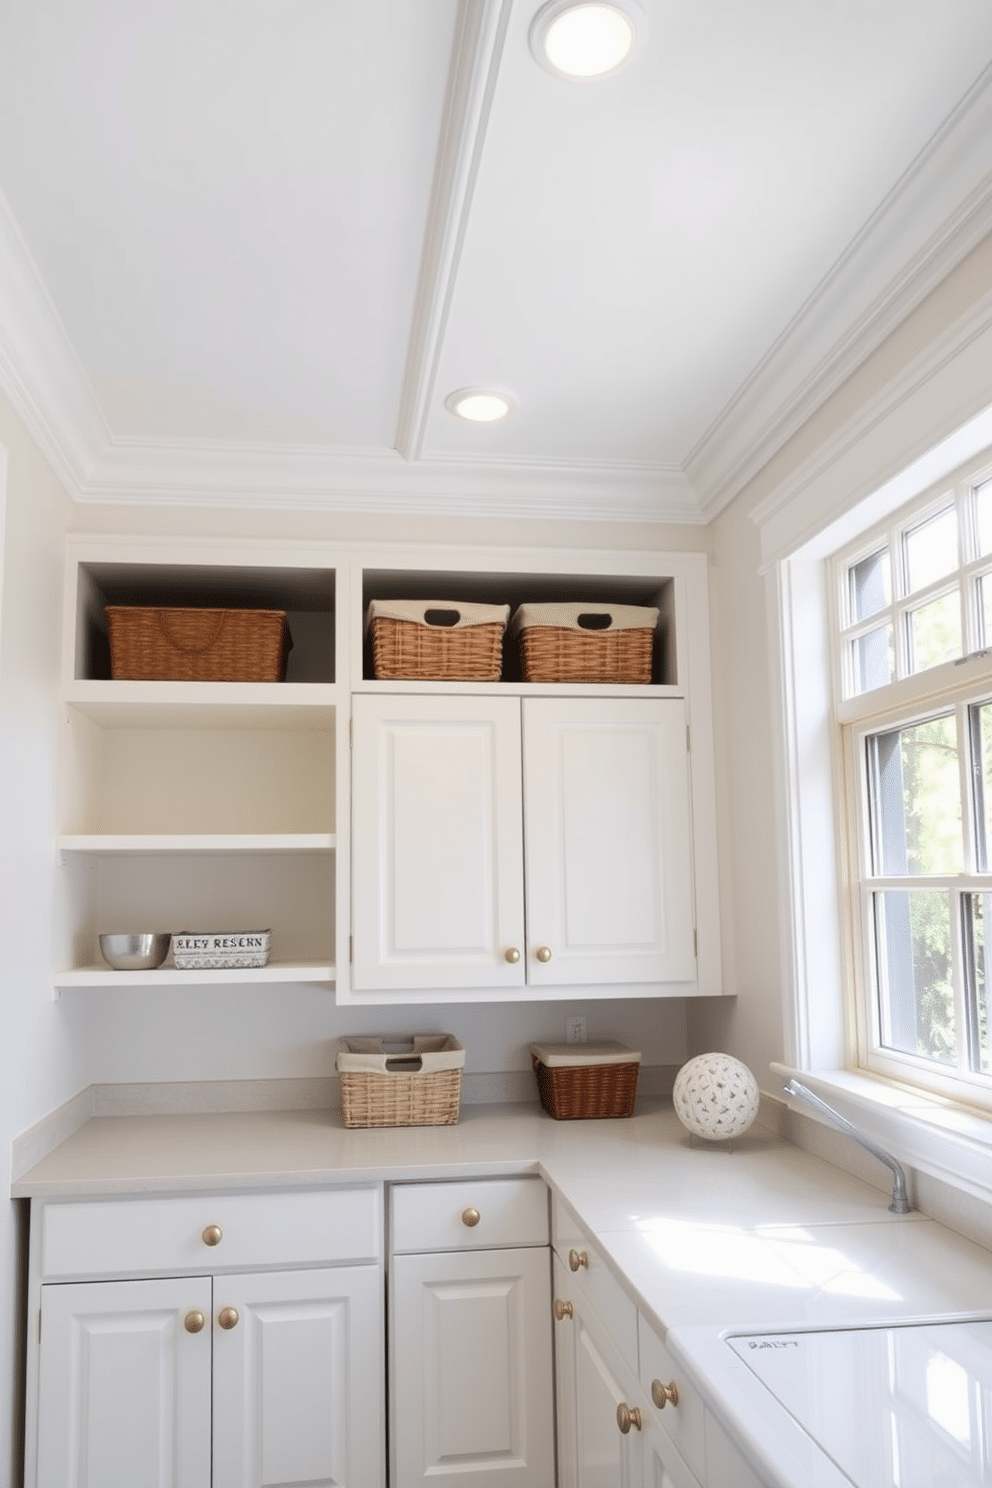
(914, 684)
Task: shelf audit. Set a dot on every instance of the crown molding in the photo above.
(39, 372)
(269, 477)
(939, 210)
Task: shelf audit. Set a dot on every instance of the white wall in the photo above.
(888, 414)
(42, 1048)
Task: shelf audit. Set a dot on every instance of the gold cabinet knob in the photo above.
(577, 1259)
(543, 953)
(470, 1218)
(563, 1310)
(628, 1416)
(663, 1395)
(228, 1318)
(512, 955)
(212, 1235)
(194, 1322)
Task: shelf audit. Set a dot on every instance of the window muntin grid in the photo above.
(919, 593)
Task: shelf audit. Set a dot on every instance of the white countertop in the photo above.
(705, 1239)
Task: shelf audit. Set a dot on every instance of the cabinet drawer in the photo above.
(141, 1236)
(442, 1216)
(685, 1421)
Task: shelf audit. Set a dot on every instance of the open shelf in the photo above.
(168, 977)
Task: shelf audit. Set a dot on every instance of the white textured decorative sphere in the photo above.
(715, 1096)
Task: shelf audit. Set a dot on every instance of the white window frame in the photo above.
(916, 434)
(912, 697)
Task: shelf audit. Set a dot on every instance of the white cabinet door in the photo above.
(471, 1369)
(608, 841)
(437, 843)
(298, 1379)
(124, 1388)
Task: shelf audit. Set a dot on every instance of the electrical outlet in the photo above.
(575, 1030)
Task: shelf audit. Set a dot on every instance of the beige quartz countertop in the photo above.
(760, 1232)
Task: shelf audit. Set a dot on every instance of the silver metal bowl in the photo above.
(135, 952)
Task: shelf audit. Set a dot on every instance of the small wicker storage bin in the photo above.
(437, 640)
(401, 1082)
(212, 950)
(586, 1081)
(159, 644)
(585, 642)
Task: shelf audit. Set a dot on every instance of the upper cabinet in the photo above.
(469, 838)
(536, 843)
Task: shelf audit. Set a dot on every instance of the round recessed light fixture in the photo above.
(480, 405)
(587, 38)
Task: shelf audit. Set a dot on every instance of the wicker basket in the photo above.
(585, 642)
(401, 1082)
(437, 640)
(586, 1082)
(157, 644)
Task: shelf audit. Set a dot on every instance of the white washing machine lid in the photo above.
(905, 1406)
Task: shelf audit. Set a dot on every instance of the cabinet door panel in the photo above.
(437, 842)
(472, 1369)
(298, 1382)
(124, 1389)
(609, 853)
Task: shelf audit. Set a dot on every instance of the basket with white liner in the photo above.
(585, 642)
(401, 1081)
(586, 1081)
(436, 640)
(220, 950)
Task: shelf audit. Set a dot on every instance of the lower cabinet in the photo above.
(226, 1379)
(471, 1398)
(240, 1381)
(608, 1432)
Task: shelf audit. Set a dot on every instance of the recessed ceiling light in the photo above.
(480, 405)
(587, 38)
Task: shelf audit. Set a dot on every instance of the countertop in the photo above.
(705, 1238)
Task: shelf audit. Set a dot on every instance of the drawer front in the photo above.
(478, 1214)
(684, 1422)
(210, 1232)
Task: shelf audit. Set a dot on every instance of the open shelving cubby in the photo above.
(203, 806)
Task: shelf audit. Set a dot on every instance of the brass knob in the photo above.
(577, 1259)
(470, 1218)
(228, 1318)
(663, 1395)
(512, 955)
(194, 1322)
(628, 1416)
(212, 1235)
(562, 1309)
(543, 953)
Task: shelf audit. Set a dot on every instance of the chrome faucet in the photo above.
(900, 1203)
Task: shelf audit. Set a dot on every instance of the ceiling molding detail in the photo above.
(273, 477)
(477, 52)
(38, 369)
(938, 211)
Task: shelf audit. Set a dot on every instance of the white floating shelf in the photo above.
(106, 844)
(250, 705)
(167, 976)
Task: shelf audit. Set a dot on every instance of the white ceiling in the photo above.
(249, 246)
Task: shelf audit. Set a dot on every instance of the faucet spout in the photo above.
(900, 1203)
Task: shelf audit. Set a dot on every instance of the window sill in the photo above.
(925, 1133)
